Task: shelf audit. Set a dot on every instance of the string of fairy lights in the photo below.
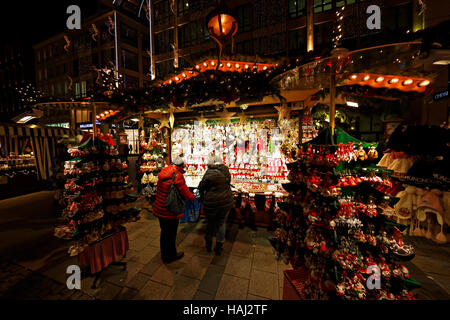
(338, 32)
(29, 94)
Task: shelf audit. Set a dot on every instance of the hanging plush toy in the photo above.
(361, 153)
(404, 208)
(431, 203)
(373, 153)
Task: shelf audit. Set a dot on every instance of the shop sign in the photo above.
(441, 95)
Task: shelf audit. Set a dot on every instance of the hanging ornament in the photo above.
(68, 43)
(284, 112)
(222, 27)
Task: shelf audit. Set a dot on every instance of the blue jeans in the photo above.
(216, 224)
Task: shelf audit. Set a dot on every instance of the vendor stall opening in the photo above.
(42, 140)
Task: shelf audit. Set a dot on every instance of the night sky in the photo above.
(28, 21)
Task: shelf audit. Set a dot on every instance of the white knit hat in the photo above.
(214, 160)
(178, 161)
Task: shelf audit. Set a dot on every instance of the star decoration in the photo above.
(165, 122)
(284, 112)
(225, 116)
(243, 118)
(202, 120)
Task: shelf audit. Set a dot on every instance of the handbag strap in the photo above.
(173, 177)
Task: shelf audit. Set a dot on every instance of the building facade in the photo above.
(276, 28)
(16, 71)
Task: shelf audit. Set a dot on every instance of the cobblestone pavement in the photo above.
(245, 270)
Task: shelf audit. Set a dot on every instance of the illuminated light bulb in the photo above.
(407, 82)
(197, 67)
(170, 81)
(229, 65)
(424, 83)
(366, 78)
(98, 117)
(184, 75)
(354, 76)
(205, 64)
(237, 66)
(213, 63)
(379, 79)
(265, 68)
(221, 65)
(246, 66)
(102, 115)
(177, 79)
(106, 112)
(395, 80)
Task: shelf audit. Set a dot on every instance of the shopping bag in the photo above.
(175, 202)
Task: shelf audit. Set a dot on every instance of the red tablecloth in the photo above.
(294, 282)
(101, 254)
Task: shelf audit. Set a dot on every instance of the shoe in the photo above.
(208, 245)
(177, 257)
(219, 248)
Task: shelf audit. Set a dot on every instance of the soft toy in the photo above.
(373, 153)
(404, 208)
(431, 203)
(361, 153)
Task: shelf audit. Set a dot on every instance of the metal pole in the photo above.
(94, 121)
(332, 96)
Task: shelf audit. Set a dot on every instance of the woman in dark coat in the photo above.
(217, 198)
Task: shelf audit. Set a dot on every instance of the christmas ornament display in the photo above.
(96, 197)
(336, 227)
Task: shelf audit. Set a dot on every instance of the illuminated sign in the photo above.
(441, 95)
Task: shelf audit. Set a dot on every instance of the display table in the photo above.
(294, 282)
(105, 252)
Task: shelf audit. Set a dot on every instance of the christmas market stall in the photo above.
(353, 205)
(28, 156)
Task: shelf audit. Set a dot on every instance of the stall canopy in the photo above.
(14, 138)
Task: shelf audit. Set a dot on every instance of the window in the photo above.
(130, 60)
(397, 18)
(76, 70)
(145, 42)
(83, 89)
(192, 33)
(163, 41)
(164, 68)
(77, 89)
(297, 8)
(340, 3)
(322, 33)
(322, 5)
(297, 41)
(183, 7)
(108, 55)
(130, 82)
(128, 35)
(162, 12)
(243, 18)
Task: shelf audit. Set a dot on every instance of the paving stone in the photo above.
(138, 281)
(145, 255)
(77, 294)
(239, 266)
(126, 294)
(200, 295)
(116, 275)
(151, 267)
(253, 297)
(153, 291)
(196, 267)
(107, 291)
(221, 260)
(167, 273)
(265, 262)
(183, 288)
(242, 249)
(264, 284)
(211, 281)
(232, 288)
(138, 244)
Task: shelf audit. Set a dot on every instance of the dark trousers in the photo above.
(168, 238)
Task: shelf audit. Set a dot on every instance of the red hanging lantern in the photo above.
(222, 26)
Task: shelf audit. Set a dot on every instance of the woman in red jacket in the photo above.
(168, 221)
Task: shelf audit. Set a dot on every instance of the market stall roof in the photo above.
(225, 65)
(393, 66)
